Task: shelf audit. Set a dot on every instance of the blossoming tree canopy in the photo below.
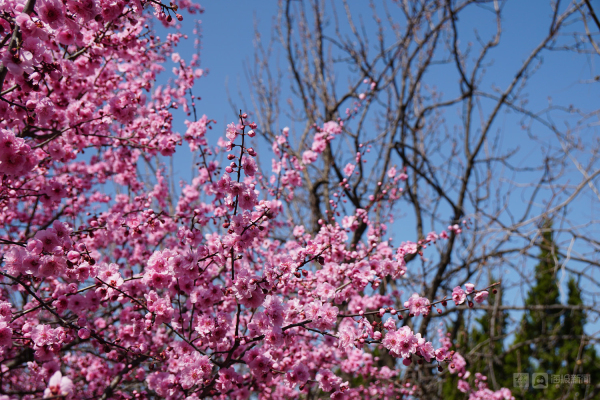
(143, 292)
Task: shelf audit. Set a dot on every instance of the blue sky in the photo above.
(227, 45)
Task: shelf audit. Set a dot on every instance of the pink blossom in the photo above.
(458, 295)
(59, 386)
(212, 281)
(51, 12)
(325, 290)
(348, 169)
(15, 155)
(463, 386)
(390, 324)
(227, 378)
(309, 157)
(346, 337)
(323, 316)
(197, 368)
(417, 305)
(231, 132)
(247, 199)
(273, 310)
(319, 144)
(481, 296)
(5, 334)
(44, 110)
(441, 354)
(84, 333)
(35, 246)
(52, 266)
(65, 36)
(424, 348)
(299, 375)
(123, 105)
(469, 287)
(328, 381)
(332, 127)
(401, 343)
(432, 237)
(458, 364)
(43, 335)
(249, 166)
(85, 10)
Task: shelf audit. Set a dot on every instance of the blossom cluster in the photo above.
(115, 285)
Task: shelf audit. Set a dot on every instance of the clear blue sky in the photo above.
(227, 44)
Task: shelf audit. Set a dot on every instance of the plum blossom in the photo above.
(417, 305)
(5, 334)
(231, 132)
(458, 295)
(249, 166)
(401, 343)
(346, 337)
(463, 386)
(193, 281)
(348, 169)
(51, 12)
(85, 10)
(424, 348)
(325, 290)
(60, 385)
(323, 316)
(123, 105)
(299, 375)
(328, 381)
(197, 367)
(481, 296)
(16, 157)
(309, 157)
(273, 310)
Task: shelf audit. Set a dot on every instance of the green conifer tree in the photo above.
(549, 340)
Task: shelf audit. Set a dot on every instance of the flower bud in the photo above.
(84, 333)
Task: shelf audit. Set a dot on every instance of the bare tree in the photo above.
(453, 144)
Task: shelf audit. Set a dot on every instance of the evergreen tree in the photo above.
(547, 341)
(535, 345)
(577, 357)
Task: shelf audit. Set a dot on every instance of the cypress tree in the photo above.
(549, 340)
